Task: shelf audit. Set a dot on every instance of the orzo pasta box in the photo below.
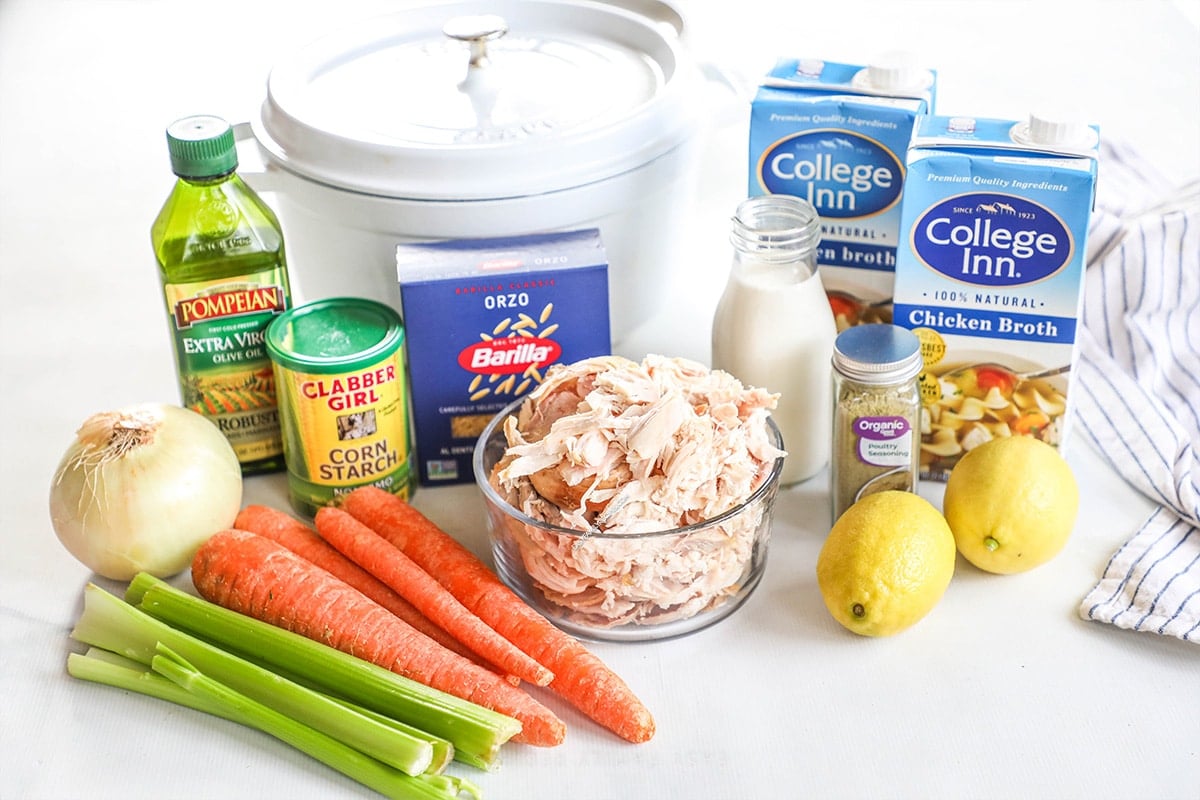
(485, 319)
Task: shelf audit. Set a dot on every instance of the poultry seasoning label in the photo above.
(991, 279)
(485, 319)
(225, 373)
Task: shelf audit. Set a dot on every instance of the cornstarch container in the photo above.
(485, 320)
(343, 399)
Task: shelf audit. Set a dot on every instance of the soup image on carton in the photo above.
(836, 135)
(991, 276)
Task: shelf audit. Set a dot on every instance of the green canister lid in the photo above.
(201, 146)
(338, 334)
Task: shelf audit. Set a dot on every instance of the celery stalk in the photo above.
(331, 752)
(443, 750)
(101, 666)
(109, 623)
(476, 732)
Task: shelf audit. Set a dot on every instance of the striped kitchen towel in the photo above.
(1138, 395)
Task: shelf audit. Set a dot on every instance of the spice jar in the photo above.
(877, 406)
(773, 327)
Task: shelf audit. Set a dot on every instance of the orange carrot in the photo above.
(387, 563)
(253, 575)
(580, 677)
(302, 540)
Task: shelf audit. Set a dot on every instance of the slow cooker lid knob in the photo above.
(476, 30)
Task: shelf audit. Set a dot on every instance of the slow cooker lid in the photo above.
(479, 99)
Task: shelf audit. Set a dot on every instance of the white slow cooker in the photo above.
(480, 118)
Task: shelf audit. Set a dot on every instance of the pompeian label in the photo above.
(218, 328)
(841, 173)
(237, 302)
(988, 239)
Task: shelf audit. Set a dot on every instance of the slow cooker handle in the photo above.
(261, 176)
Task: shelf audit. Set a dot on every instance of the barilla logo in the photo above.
(231, 303)
(508, 356)
(991, 239)
(842, 174)
(881, 428)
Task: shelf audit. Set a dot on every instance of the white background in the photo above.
(1003, 691)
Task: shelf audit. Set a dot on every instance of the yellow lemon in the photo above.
(1011, 504)
(886, 563)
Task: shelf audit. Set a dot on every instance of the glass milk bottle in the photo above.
(773, 327)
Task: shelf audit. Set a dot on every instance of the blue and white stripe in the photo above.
(1137, 387)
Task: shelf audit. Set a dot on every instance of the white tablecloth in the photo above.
(1003, 691)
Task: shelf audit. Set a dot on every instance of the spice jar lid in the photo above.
(878, 353)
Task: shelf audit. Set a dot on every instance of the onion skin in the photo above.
(141, 488)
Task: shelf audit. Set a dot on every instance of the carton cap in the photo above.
(1049, 130)
(896, 71)
(1055, 128)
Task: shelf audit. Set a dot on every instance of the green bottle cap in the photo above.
(201, 147)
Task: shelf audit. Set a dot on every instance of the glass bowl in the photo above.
(627, 587)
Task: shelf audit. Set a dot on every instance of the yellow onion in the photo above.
(141, 488)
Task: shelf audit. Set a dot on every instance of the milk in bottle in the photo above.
(773, 327)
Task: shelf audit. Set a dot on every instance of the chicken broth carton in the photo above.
(836, 134)
(990, 276)
(484, 320)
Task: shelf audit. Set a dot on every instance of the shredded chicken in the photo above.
(618, 450)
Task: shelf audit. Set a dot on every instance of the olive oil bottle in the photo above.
(224, 277)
